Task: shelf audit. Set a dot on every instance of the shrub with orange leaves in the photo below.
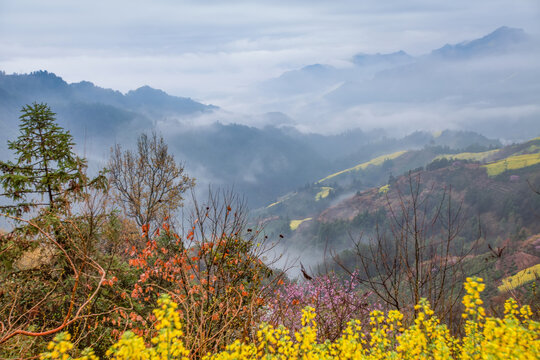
(214, 273)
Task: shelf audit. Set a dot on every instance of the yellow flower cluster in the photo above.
(129, 347)
(472, 301)
(426, 338)
(512, 336)
(167, 342)
(475, 315)
(60, 347)
(515, 336)
(277, 343)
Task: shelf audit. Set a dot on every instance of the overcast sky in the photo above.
(213, 49)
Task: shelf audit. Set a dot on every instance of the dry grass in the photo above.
(33, 259)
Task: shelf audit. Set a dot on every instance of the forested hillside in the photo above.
(488, 198)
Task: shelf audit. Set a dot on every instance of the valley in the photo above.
(276, 180)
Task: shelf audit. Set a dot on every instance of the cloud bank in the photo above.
(216, 50)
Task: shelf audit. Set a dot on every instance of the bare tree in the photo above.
(149, 182)
(418, 255)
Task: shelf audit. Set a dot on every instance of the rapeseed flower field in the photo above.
(515, 336)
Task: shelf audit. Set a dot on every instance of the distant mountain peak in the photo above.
(316, 68)
(146, 95)
(501, 36)
(47, 77)
(44, 74)
(378, 58)
(53, 89)
(84, 84)
(147, 90)
(508, 31)
(500, 40)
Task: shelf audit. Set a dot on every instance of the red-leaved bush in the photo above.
(214, 273)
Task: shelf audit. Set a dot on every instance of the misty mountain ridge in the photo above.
(90, 111)
(453, 75)
(260, 163)
(500, 41)
(396, 58)
(146, 96)
(314, 76)
(489, 85)
(52, 88)
(274, 158)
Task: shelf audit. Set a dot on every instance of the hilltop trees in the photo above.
(149, 182)
(57, 267)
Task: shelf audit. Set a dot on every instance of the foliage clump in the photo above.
(46, 169)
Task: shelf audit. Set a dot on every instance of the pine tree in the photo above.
(46, 169)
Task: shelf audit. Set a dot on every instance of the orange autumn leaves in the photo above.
(215, 277)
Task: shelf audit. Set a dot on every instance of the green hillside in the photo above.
(493, 190)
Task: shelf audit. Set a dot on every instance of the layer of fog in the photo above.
(494, 94)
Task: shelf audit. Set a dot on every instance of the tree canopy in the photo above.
(45, 169)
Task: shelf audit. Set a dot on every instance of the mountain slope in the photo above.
(495, 213)
(489, 85)
(477, 178)
(499, 41)
(89, 111)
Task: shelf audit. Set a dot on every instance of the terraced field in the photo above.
(282, 199)
(468, 155)
(375, 162)
(522, 277)
(512, 163)
(325, 190)
(296, 223)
